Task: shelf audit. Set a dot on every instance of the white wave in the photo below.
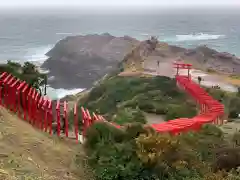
(145, 34)
(198, 37)
(37, 54)
(64, 33)
(51, 77)
(43, 71)
(55, 94)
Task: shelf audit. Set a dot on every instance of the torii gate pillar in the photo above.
(179, 66)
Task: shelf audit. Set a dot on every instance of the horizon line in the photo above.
(122, 6)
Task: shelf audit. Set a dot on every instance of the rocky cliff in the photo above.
(78, 61)
(211, 59)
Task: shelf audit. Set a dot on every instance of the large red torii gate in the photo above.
(181, 65)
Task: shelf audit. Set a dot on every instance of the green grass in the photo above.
(134, 95)
(231, 101)
(235, 76)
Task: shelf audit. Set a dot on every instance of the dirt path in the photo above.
(165, 68)
(154, 118)
(210, 80)
(26, 153)
(231, 127)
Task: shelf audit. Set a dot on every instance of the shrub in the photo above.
(28, 72)
(137, 152)
(129, 115)
(152, 95)
(211, 130)
(102, 132)
(236, 138)
(134, 130)
(96, 93)
(227, 158)
(167, 155)
(230, 100)
(178, 111)
(112, 153)
(146, 106)
(233, 114)
(238, 92)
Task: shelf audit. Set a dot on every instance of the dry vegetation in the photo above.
(26, 153)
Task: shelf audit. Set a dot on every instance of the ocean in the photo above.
(26, 35)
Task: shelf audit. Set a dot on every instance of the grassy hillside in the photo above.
(139, 153)
(26, 153)
(123, 99)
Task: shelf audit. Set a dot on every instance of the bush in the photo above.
(238, 93)
(211, 130)
(28, 73)
(134, 130)
(111, 152)
(180, 110)
(152, 95)
(227, 158)
(146, 106)
(129, 115)
(168, 155)
(119, 162)
(96, 92)
(233, 114)
(236, 138)
(234, 107)
(137, 152)
(230, 100)
(102, 132)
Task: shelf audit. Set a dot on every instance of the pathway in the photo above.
(165, 68)
(154, 118)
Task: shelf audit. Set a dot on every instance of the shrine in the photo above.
(180, 65)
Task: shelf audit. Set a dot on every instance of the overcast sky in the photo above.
(117, 3)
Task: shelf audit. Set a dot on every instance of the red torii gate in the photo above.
(39, 110)
(181, 65)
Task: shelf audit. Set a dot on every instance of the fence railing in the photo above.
(211, 111)
(42, 113)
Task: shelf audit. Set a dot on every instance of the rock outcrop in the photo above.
(78, 61)
(210, 59)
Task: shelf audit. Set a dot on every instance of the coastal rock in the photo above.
(224, 55)
(207, 58)
(78, 61)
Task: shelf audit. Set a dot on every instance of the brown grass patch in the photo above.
(233, 81)
(26, 153)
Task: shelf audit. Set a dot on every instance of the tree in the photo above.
(28, 73)
(33, 77)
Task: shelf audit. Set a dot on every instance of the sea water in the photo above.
(28, 35)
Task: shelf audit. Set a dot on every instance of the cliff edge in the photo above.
(78, 61)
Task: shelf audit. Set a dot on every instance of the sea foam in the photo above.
(198, 37)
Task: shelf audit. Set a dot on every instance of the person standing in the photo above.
(158, 63)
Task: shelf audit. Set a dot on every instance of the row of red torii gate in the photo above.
(42, 112)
